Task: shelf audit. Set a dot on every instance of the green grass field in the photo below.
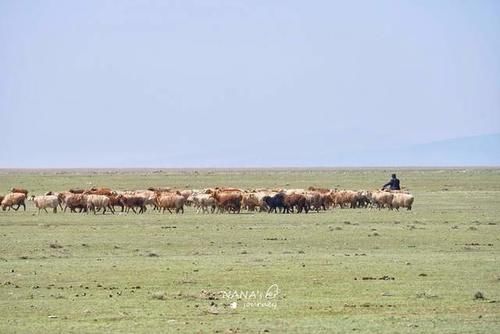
(345, 270)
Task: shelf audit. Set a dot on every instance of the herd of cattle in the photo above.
(211, 200)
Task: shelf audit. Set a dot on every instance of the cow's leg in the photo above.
(46, 210)
(55, 209)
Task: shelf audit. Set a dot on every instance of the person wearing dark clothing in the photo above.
(393, 184)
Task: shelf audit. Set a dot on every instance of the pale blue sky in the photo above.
(242, 83)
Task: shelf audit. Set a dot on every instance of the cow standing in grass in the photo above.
(275, 202)
(171, 201)
(133, 202)
(98, 202)
(382, 199)
(46, 201)
(75, 201)
(402, 200)
(228, 200)
(12, 199)
(297, 201)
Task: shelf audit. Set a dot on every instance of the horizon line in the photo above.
(237, 168)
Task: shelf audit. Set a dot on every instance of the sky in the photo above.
(243, 83)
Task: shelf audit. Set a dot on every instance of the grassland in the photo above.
(339, 271)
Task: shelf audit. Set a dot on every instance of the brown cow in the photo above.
(99, 191)
(230, 201)
(76, 191)
(186, 193)
(12, 199)
(19, 191)
(171, 201)
(115, 200)
(314, 200)
(222, 189)
(148, 195)
(296, 200)
(131, 202)
(250, 202)
(344, 198)
(326, 200)
(75, 201)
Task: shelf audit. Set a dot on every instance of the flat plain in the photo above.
(433, 269)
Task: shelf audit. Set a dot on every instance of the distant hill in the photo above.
(466, 151)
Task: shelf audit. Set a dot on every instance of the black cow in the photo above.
(277, 201)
